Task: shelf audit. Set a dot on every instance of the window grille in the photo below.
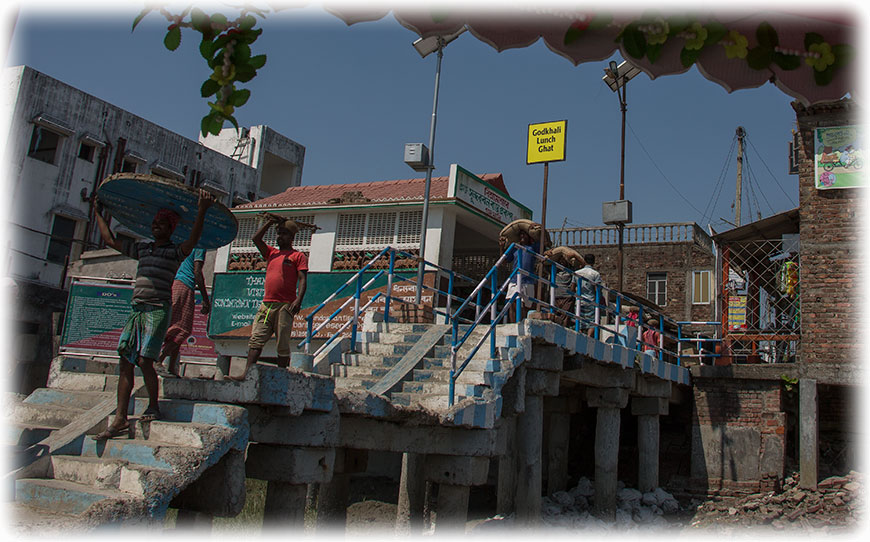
(657, 288)
(351, 231)
(381, 229)
(409, 226)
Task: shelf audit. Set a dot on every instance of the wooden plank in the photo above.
(81, 425)
(410, 360)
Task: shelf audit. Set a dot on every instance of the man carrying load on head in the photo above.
(146, 325)
(286, 281)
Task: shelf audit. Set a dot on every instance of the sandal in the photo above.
(112, 432)
(150, 415)
(163, 372)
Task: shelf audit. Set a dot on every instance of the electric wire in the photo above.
(630, 127)
(771, 173)
(757, 187)
(720, 183)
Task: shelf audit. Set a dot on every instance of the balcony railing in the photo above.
(674, 232)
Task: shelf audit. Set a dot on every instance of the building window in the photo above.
(702, 287)
(657, 288)
(44, 144)
(62, 232)
(375, 231)
(129, 166)
(86, 152)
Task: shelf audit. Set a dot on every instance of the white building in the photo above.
(60, 143)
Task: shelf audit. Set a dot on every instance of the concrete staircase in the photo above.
(132, 478)
(380, 347)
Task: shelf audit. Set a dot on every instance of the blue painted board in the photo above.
(134, 198)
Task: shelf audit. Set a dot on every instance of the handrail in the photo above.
(603, 310)
(392, 278)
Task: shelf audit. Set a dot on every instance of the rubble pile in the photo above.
(837, 503)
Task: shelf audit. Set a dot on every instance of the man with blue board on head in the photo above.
(143, 333)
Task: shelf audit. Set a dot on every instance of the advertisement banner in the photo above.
(486, 199)
(736, 312)
(96, 313)
(839, 159)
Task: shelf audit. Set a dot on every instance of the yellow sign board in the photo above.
(546, 142)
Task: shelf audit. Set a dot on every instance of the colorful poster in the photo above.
(736, 312)
(96, 313)
(838, 157)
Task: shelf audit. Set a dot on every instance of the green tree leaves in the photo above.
(226, 47)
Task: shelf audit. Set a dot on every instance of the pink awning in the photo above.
(777, 43)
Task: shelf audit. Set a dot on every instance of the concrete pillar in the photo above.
(648, 410)
(648, 452)
(809, 433)
(557, 452)
(192, 520)
(412, 489)
(285, 505)
(332, 502)
(609, 402)
(222, 366)
(528, 445)
(507, 470)
(452, 511)
(606, 460)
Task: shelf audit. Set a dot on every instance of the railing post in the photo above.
(661, 338)
(355, 323)
(449, 295)
(552, 288)
(680, 345)
(618, 318)
(640, 324)
(389, 286)
(519, 277)
(577, 301)
(309, 333)
(495, 293)
(597, 311)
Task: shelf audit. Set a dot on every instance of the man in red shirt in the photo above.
(286, 280)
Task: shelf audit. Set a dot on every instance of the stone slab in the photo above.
(289, 464)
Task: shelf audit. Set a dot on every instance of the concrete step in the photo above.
(355, 382)
(436, 402)
(25, 435)
(70, 381)
(383, 349)
(149, 453)
(443, 375)
(443, 388)
(381, 327)
(61, 495)
(351, 371)
(67, 398)
(44, 415)
(89, 471)
(369, 360)
(389, 338)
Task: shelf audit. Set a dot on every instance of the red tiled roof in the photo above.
(375, 192)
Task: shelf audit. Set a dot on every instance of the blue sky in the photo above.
(353, 96)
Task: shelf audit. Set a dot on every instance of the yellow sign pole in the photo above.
(545, 143)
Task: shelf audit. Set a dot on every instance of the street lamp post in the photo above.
(425, 46)
(617, 77)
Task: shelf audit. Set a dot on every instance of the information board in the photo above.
(96, 313)
(237, 296)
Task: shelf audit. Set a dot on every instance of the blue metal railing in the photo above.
(360, 287)
(598, 310)
(589, 313)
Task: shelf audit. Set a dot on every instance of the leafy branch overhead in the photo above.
(226, 46)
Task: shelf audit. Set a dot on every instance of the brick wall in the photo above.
(830, 229)
(742, 445)
(678, 260)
